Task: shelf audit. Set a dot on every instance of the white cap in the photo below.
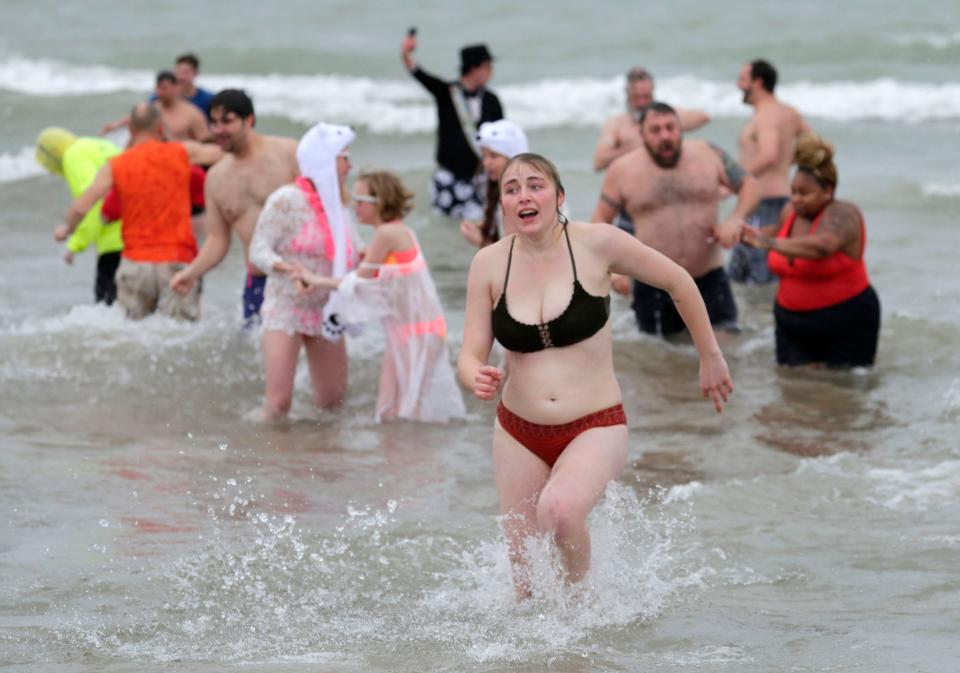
(503, 137)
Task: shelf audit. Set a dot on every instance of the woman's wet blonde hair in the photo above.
(393, 198)
(814, 156)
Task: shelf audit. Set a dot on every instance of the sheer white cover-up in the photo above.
(287, 230)
(416, 379)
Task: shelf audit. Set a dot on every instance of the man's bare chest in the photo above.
(248, 189)
(669, 189)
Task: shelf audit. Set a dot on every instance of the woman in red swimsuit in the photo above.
(826, 312)
(561, 434)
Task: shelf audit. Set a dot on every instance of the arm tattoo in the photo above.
(731, 169)
(842, 220)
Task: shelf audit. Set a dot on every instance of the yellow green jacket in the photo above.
(81, 162)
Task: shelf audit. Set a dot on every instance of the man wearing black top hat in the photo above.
(461, 107)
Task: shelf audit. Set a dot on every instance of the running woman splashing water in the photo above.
(543, 293)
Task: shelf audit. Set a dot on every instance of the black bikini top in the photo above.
(585, 315)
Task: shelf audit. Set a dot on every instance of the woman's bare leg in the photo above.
(578, 481)
(520, 477)
(328, 370)
(280, 353)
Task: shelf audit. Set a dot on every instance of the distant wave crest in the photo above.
(933, 40)
(942, 189)
(398, 106)
(18, 165)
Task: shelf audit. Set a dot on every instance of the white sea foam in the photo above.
(110, 327)
(903, 485)
(943, 189)
(933, 40)
(264, 581)
(916, 488)
(682, 492)
(400, 106)
(18, 165)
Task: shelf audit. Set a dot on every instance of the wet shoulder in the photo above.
(700, 151)
(636, 160)
(491, 260)
(220, 171)
(619, 121)
(592, 238)
(797, 119)
(844, 209)
(282, 147)
(396, 234)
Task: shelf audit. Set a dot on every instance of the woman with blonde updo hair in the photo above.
(393, 285)
(826, 311)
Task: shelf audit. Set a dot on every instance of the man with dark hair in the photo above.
(236, 189)
(766, 152)
(462, 107)
(186, 68)
(621, 133)
(181, 119)
(152, 180)
(670, 188)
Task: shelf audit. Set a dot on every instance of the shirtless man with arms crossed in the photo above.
(671, 190)
(767, 145)
(182, 120)
(237, 187)
(621, 133)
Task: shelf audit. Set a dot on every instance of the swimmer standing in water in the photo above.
(78, 160)
(236, 189)
(304, 225)
(499, 142)
(561, 435)
(393, 284)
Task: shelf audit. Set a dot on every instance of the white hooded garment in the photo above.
(317, 156)
(416, 379)
(306, 223)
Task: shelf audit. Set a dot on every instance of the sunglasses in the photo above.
(363, 198)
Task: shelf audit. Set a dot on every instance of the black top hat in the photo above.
(473, 55)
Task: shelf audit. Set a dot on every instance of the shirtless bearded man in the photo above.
(767, 146)
(236, 189)
(671, 190)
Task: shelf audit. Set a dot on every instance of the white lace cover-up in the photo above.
(287, 230)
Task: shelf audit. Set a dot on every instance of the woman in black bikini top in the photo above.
(584, 316)
(561, 431)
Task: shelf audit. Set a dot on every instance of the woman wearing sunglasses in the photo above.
(393, 284)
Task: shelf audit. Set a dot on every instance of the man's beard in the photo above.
(664, 162)
(747, 98)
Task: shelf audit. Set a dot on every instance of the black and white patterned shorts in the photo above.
(456, 198)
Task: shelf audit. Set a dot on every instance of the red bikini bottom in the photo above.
(547, 442)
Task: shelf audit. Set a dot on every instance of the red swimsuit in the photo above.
(810, 284)
(547, 442)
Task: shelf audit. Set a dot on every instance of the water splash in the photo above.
(266, 589)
